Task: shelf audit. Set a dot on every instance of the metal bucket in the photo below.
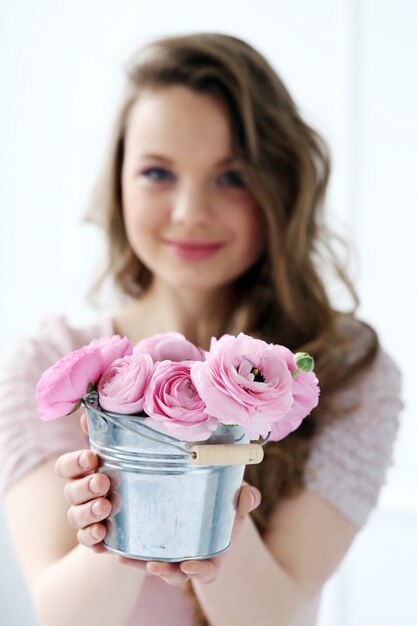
(164, 508)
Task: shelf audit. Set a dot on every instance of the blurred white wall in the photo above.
(351, 67)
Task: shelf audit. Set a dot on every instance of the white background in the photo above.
(352, 68)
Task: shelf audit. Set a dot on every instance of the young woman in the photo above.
(211, 200)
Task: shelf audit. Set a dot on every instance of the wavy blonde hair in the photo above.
(285, 165)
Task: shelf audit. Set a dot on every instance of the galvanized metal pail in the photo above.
(164, 508)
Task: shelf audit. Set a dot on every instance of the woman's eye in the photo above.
(231, 179)
(157, 174)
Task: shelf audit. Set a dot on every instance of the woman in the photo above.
(211, 199)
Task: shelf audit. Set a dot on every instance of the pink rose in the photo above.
(61, 387)
(112, 348)
(173, 404)
(305, 391)
(121, 389)
(169, 346)
(245, 381)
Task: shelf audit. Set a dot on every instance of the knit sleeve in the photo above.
(25, 440)
(349, 459)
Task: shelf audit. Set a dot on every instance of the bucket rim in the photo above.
(91, 403)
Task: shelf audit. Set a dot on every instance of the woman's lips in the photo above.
(194, 250)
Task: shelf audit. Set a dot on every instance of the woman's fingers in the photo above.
(75, 464)
(84, 515)
(177, 573)
(249, 499)
(92, 535)
(169, 572)
(87, 488)
(84, 424)
(84, 491)
(203, 571)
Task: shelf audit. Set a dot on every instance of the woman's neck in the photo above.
(197, 315)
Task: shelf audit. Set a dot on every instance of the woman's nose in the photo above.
(191, 205)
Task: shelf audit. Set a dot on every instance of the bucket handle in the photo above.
(208, 454)
(227, 454)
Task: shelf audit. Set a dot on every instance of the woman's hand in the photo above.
(86, 491)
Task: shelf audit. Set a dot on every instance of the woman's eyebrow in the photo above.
(229, 160)
(154, 157)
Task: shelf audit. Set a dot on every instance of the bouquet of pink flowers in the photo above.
(184, 391)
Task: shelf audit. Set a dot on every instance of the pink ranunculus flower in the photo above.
(305, 391)
(121, 388)
(169, 346)
(174, 406)
(245, 381)
(112, 348)
(61, 387)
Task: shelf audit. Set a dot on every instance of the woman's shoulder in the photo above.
(53, 337)
(354, 448)
(28, 356)
(380, 376)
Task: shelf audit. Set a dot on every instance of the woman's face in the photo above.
(188, 215)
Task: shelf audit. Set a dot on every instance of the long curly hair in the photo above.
(283, 298)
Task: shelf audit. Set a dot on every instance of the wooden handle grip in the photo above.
(228, 454)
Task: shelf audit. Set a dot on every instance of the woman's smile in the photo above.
(193, 250)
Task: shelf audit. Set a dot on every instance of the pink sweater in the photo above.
(347, 465)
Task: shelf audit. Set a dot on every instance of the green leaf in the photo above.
(304, 361)
(77, 406)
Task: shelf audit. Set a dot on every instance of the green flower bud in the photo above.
(304, 361)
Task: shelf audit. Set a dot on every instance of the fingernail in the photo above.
(150, 566)
(256, 500)
(189, 569)
(94, 487)
(96, 533)
(84, 460)
(188, 573)
(96, 507)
